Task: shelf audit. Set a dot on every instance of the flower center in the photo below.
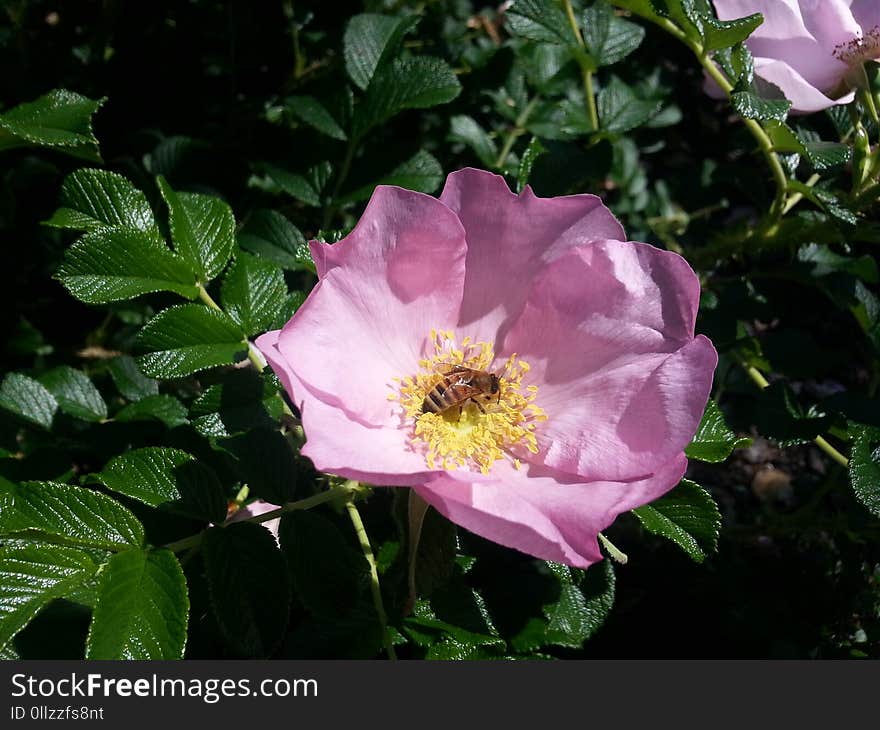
(462, 413)
(861, 49)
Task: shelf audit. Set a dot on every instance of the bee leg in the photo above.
(459, 414)
(479, 405)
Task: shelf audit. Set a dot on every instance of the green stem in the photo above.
(586, 73)
(302, 504)
(345, 168)
(796, 198)
(375, 588)
(253, 355)
(758, 378)
(615, 552)
(207, 298)
(518, 129)
(756, 130)
(764, 143)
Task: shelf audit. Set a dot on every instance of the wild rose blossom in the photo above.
(810, 49)
(601, 380)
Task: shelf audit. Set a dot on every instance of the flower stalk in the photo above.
(375, 588)
(586, 73)
(337, 492)
(758, 378)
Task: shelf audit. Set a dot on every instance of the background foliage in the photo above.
(163, 165)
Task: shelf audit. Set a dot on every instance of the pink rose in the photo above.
(255, 509)
(601, 380)
(808, 48)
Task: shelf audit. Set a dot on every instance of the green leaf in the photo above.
(328, 574)
(311, 111)
(821, 261)
(248, 585)
(142, 608)
(425, 629)
(202, 229)
(751, 106)
(582, 607)
(718, 34)
(267, 462)
(298, 186)
(421, 172)
(609, 39)
(621, 110)
(73, 515)
(33, 575)
(465, 129)
(827, 155)
(688, 516)
(293, 302)
(714, 440)
(75, 393)
(540, 20)
(436, 553)
(683, 13)
(164, 408)
(188, 338)
(28, 399)
(271, 235)
(60, 119)
(253, 291)
(168, 478)
(93, 199)
(414, 83)
(370, 41)
(784, 420)
(864, 467)
(129, 380)
(243, 401)
(109, 264)
(867, 313)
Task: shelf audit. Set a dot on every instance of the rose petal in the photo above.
(784, 37)
(867, 14)
(804, 97)
(339, 445)
(383, 288)
(267, 344)
(509, 237)
(830, 22)
(254, 509)
(608, 333)
(541, 515)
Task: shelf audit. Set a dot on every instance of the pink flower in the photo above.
(601, 380)
(255, 509)
(810, 48)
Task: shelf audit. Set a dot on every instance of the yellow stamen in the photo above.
(470, 438)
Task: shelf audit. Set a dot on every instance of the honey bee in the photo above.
(461, 385)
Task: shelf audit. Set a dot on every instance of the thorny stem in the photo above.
(518, 129)
(586, 74)
(302, 504)
(375, 588)
(758, 378)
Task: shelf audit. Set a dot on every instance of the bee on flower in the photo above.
(513, 359)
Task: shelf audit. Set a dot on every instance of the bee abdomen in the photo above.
(435, 402)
